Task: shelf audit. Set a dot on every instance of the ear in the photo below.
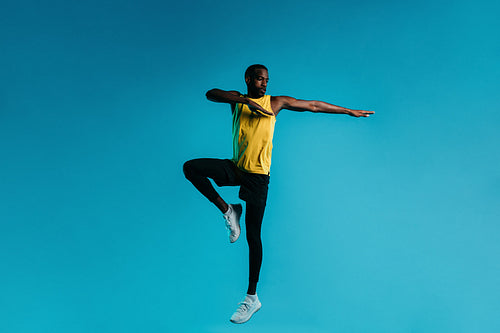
(247, 79)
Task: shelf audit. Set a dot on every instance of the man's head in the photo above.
(256, 78)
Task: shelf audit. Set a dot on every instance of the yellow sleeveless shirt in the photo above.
(253, 137)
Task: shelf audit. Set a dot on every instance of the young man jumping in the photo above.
(254, 116)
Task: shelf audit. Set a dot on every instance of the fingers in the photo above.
(266, 113)
(261, 111)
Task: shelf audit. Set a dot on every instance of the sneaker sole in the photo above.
(242, 322)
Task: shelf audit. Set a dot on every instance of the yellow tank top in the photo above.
(253, 137)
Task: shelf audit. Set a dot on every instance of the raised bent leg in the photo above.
(198, 171)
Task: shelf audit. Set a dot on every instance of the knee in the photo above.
(254, 240)
(188, 169)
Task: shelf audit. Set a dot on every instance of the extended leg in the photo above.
(253, 222)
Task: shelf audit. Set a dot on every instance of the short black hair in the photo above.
(251, 69)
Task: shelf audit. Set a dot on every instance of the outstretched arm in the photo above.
(232, 97)
(290, 103)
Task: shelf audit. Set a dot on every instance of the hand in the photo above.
(360, 113)
(255, 107)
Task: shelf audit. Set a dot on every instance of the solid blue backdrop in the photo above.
(381, 224)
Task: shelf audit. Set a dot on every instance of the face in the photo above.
(257, 83)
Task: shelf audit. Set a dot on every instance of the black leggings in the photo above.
(253, 189)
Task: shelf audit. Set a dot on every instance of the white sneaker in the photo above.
(246, 309)
(232, 218)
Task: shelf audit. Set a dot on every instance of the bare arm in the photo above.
(232, 97)
(290, 103)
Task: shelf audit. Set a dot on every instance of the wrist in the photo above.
(248, 101)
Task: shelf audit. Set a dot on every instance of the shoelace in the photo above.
(244, 306)
(228, 222)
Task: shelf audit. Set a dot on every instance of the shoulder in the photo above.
(281, 102)
(233, 105)
(281, 98)
(235, 93)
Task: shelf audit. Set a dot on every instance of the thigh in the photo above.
(220, 170)
(254, 188)
(253, 219)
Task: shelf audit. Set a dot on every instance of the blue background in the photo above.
(379, 224)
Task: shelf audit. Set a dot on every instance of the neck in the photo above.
(253, 95)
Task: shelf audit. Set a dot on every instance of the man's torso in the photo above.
(252, 137)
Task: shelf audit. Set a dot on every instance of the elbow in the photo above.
(210, 94)
(314, 106)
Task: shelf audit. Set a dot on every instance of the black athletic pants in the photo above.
(253, 190)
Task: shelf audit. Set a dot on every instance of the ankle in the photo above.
(222, 205)
(252, 288)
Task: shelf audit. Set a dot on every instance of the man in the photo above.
(254, 116)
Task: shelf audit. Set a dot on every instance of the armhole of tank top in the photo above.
(271, 104)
